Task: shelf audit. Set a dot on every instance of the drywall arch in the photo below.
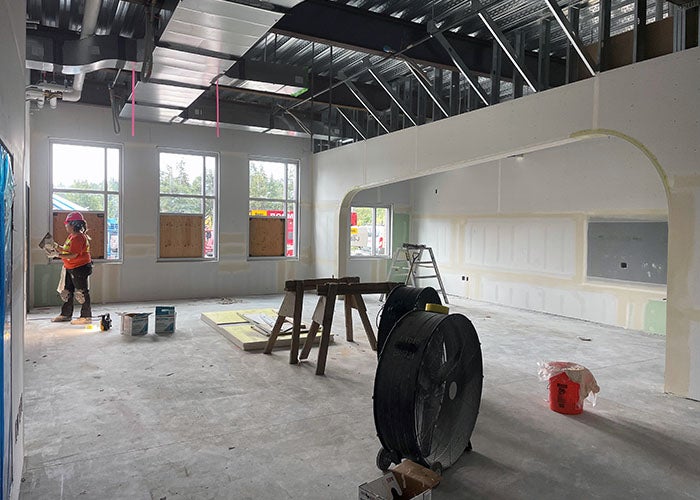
(634, 104)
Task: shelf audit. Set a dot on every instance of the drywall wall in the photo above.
(651, 106)
(12, 134)
(140, 276)
(479, 221)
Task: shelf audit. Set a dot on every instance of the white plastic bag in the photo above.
(588, 387)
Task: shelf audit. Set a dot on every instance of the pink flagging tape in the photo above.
(133, 101)
(217, 108)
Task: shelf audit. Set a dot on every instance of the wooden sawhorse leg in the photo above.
(366, 323)
(349, 304)
(310, 337)
(273, 335)
(326, 333)
(296, 325)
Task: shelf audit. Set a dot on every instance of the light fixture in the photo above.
(507, 50)
(568, 31)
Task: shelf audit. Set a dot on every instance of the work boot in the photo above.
(81, 321)
(60, 319)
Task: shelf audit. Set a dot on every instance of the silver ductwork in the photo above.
(51, 91)
(92, 11)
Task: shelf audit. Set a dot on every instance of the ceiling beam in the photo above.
(364, 31)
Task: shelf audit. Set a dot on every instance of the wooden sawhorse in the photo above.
(292, 306)
(353, 298)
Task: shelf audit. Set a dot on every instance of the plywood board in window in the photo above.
(181, 236)
(266, 237)
(96, 231)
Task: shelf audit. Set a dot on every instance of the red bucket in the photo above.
(564, 395)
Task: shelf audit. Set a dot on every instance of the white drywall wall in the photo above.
(139, 276)
(12, 134)
(509, 257)
(635, 105)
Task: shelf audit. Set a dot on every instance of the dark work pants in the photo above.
(77, 279)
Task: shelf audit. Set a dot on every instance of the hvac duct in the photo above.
(92, 11)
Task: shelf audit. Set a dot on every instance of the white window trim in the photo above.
(105, 192)
(285, 201)
(390, 224)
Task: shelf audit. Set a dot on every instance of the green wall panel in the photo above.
(655, 317)
(46, 278)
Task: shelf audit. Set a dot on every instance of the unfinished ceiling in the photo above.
(339, 71)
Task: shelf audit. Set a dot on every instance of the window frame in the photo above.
(286, 202)
(105, 192)
(387, 237)
(203, 197)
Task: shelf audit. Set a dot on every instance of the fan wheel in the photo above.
(384, 460)
(427, 389)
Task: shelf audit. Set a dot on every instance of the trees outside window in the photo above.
(274, 193)
(86, 178)
(370, 231)
(188, 204)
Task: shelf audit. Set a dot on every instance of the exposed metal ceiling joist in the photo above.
(372, 33)
(368, 106)
(507, 48)
(471, 78)
(356, 127)
(394, 97)
(571, 34)
(427, 86)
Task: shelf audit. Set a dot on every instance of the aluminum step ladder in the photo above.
(407, 263)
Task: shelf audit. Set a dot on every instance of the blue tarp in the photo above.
(7, 188)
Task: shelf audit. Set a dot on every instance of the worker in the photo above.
(77, 266)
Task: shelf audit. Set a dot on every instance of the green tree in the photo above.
(174, 180)
(264, 186)
(364, 216)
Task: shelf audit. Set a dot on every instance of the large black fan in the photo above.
(427, 389)
(402, 299)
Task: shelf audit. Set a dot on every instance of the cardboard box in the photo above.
(134, 323)
(165, 319)
(410, 480)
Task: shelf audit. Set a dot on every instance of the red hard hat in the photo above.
(73, 216)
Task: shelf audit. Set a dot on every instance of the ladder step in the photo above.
(423, 277)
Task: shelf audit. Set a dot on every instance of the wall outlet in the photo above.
(465, 278)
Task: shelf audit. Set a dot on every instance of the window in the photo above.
(273, 194)
(370, 231)
(188, 205)
(86, 178)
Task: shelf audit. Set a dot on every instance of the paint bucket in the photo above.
(564, 395)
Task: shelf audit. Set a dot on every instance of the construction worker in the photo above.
(77, 266)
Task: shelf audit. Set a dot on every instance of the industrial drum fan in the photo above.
(402, 299)
(427, 389)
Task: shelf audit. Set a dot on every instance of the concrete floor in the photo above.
(192, 417)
